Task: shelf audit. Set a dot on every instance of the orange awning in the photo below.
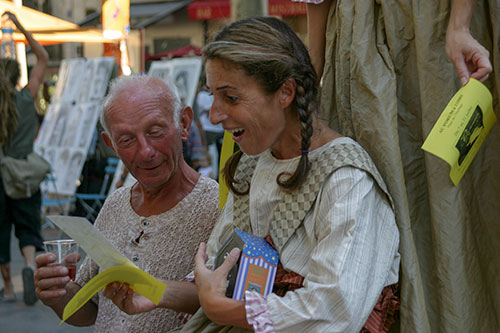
(48, 29)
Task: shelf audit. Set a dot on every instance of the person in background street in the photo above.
(214, 133)
(205, 166)
(193, 148)
(158, 221)
(19, 126)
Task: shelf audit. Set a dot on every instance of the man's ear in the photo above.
(185, 121)
(108, 141)
(287, 92)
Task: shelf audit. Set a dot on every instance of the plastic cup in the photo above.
(66, 252)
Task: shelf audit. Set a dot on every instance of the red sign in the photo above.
(286, 8)
(216, 9)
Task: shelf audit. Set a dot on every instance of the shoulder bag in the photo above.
(22, 177)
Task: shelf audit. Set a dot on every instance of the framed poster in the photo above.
(63, 111)
(87, 125)
(160, 70)
(50, 154)
(72, 77)
(186, 76)
(88, 76)
(47, 124)
(70, 123)
(68, 180)
(103, 69)
(183, 72)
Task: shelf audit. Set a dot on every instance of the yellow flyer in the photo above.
(114, 266)
(462, 127)
(227, 151)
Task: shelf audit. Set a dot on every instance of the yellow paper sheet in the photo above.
(115, 266)
(226, 152)
(140, 281)
(462, 127)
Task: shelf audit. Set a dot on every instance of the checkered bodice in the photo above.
(293, 207)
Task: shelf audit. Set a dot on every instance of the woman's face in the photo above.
(256, 120)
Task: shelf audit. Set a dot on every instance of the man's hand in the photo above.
(50, 281)
(126, 300)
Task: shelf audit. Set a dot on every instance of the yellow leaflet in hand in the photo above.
(140, 281)
(462, 127)
(226, 152)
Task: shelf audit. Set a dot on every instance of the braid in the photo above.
(305, 106)
(8, 111)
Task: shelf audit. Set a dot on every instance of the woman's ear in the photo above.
(287, 92)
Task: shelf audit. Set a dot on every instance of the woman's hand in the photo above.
(13, 18)
(125, 298)
(470, 58)
(212, 289)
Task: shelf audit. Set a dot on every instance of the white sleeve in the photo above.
(354, 243)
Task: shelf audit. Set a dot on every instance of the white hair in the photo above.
(140, 80)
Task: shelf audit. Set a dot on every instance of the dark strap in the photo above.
(385, 312)
(293, 207)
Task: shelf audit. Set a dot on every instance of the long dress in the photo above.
(385, 82)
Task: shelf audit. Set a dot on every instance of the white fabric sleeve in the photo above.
(258, 313)
(355, 252)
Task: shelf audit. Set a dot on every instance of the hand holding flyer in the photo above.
(462, 127)
(114, 266)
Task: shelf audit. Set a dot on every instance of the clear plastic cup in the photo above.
(66, 252)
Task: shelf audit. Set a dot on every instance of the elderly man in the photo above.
(158, 222)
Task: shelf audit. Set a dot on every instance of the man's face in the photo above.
(145, 136)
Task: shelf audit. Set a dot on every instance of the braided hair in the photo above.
(9, 74)
(268, 50)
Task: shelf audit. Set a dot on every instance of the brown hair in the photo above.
(9, 75)
(268, 50)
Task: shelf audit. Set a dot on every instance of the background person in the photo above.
(157, 222)
(19, 128)
(385, 81)
(214, 133)
(342, 248)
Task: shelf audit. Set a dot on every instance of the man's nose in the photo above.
(146, 150)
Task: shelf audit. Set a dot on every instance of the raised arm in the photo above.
(42, 57)
(317, 16)
(470, 58)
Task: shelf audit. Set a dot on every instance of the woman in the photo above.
(336, 232)
(19, 128)
(264, 89)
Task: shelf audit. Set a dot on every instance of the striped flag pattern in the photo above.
(243, 269)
